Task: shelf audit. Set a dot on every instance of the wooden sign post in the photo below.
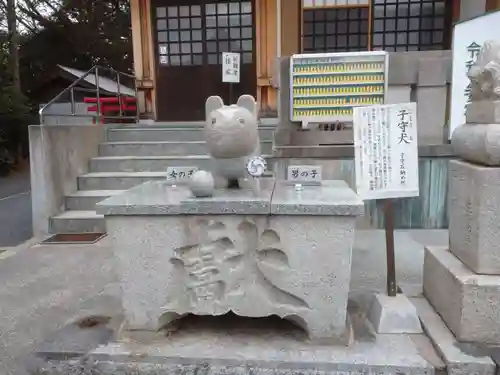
(386, 158)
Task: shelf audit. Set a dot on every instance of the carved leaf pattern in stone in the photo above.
(250, 263)
(264, 250)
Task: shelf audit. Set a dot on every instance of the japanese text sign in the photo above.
(180, 173)
(230, 67)
(386, 151)
(304, 173)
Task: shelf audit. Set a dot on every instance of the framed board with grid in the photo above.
(325, 87)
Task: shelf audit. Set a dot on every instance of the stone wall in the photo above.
(58, 154)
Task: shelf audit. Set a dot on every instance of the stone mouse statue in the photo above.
(232, 138)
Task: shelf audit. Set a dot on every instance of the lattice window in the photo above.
(179, 37)
(409, 25)
(336, 30)
(229, 28)
(391, 25)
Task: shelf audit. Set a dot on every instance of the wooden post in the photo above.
(389, 244)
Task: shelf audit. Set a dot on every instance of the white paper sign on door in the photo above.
(386, 151)
(230, 67)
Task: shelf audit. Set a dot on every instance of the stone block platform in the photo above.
(469, 303)
(232, 345)
(255, 252)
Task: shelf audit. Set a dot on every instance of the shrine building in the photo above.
(178, 44)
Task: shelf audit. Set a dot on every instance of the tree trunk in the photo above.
(13, 44)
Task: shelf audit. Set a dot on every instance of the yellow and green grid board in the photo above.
(329, 87)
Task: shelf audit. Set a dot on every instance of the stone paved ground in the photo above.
(15, 209)
(44, 288)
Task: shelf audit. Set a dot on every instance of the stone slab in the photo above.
(160, 198)
(394, 315)
(457, 360)
(245, 352)
(483, 112)
(332, 198)
(478, 143)
(252, 265)
(468, 303)
(474, 208)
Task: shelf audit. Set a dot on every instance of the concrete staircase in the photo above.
(130, 156)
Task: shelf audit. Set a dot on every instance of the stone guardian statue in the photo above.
(232, 138)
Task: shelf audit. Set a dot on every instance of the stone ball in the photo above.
(231, 132)
(202, 184)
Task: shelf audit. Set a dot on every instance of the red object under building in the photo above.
(110, 107)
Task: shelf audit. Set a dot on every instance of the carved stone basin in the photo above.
(273, 252)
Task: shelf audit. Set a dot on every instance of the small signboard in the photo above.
(230, 67)
(304, 174)
(468, 38)
(386, 151)
(177, 174)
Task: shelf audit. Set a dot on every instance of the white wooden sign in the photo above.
(468, 38)
(176, 174)
(230, 67)
(386, 151)
(304, 173)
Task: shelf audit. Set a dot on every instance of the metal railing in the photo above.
(115, 76)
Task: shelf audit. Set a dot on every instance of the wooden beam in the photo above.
(143, 51)
(290, 27)
(266, 39)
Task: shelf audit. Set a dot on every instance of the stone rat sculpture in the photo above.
(232, 138)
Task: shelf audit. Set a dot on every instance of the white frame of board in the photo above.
(305, 120)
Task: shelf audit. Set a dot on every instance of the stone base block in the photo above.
(272, 251)
(244, 351)
(478, 143)
(474, 208)
(467, 302)
(394, 315)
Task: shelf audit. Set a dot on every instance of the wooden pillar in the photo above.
(266, 38)
(290, 27)
(143, 50)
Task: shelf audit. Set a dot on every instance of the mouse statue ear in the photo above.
(213, 103)
(248, 102)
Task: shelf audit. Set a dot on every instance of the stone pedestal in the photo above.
(469, 303)
(474, 211)
(275, 251)
(462, 282)
(394, 315)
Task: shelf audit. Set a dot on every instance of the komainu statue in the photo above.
(232, 138)
(485, 73)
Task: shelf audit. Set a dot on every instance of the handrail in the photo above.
(71, 88)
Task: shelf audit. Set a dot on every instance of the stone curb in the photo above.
(457, 361)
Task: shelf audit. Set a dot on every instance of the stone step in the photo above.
(170, 134)
(162, 148)
(116, 180)
(78, 222)
(85, 200)
(263, 122)
(148, 164)
(109, 181)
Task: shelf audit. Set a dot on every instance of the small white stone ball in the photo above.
(202, 184)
